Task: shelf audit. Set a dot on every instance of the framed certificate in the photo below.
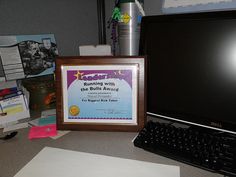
(100, 93)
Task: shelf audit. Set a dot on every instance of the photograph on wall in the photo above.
(25, 56)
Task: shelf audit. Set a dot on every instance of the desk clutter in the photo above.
(16, 103)
(27, 64)
(45, 126)
(13, 104)
(42, 92)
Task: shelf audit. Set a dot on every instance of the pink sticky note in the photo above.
(43, 131)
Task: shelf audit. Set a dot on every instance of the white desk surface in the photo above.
(17, 152)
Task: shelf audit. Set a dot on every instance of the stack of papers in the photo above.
(39, 125)
(13, 106)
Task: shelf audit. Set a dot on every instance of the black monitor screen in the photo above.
(192, 67)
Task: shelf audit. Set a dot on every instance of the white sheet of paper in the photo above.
(15, 127)
(53, 162)
(60, 133)
(88, 50)
(184, 3)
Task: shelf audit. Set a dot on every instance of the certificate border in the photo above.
(140, 115)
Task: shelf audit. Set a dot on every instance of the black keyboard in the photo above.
(208, 149)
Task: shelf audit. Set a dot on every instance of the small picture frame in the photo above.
(102, 93)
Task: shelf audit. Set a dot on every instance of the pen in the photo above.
(3, 114)
(9, 136)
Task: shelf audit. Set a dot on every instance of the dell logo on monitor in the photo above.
(216, 124)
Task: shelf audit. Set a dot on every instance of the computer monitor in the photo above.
(191, 74)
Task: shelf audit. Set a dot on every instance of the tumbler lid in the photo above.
(126, 1)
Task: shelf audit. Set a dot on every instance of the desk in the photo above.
(17, 152)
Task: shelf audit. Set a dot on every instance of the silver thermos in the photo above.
(129, 28)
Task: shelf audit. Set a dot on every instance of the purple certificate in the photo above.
(100, 93)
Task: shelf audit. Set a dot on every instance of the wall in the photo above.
(73, 22)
